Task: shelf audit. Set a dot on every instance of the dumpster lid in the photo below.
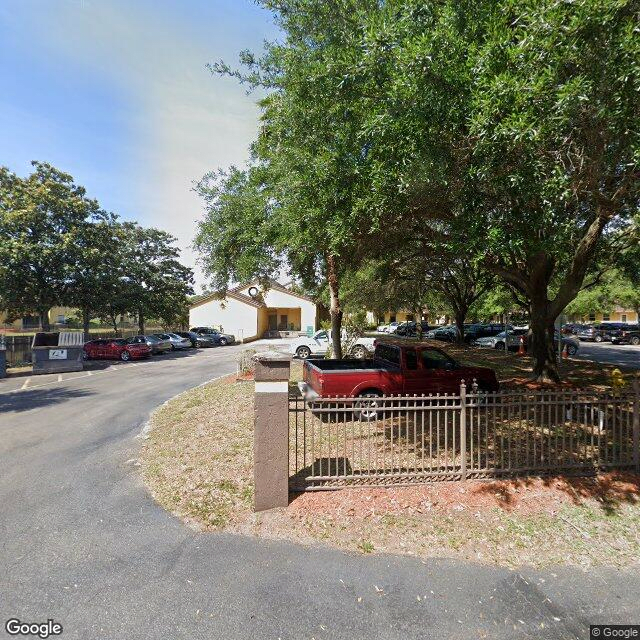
(71, 339)
(45, 339)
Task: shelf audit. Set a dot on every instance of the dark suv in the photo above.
(629, 335)
(410, 329)
(600, 332)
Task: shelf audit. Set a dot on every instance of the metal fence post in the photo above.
(271, 432)
(463, 430)
(636, 423)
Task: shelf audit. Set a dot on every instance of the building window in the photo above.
(61, 319)
(623, 317)
(592, 317)
(392, 317)
(606, 317)
(409, 317)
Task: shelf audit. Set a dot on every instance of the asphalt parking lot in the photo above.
(84, 544)
(623, 355)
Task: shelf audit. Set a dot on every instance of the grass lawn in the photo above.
(513, 369)
(197, 463)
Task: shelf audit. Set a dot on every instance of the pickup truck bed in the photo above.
(346, 366)
(407, 369)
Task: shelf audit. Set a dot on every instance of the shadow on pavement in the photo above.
(37, 398)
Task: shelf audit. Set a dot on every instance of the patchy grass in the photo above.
(513, 369)
(197, 463)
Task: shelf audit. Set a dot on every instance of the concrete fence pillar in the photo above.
(636, 423)
(271, 431)
(3, 361)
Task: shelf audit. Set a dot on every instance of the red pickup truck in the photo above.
(396, 369)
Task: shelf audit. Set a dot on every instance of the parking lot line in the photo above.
(59, 377)
(26, 383)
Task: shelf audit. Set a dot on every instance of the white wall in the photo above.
(235, 317)
(275, 298)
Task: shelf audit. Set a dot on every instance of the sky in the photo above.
(116, 93)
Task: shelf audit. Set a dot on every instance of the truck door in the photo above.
(439, 371)
(413, 377)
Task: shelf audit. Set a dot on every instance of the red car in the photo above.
(118, 349)
(405, 369)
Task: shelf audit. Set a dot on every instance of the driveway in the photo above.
(623, 355)
(82, 543)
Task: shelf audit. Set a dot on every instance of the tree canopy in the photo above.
(502, 132)
(58, 247)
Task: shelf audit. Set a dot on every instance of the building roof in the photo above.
(236, 294)
(274, 284)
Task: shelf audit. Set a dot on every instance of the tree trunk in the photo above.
(86, 319)
(418, 315)
(44, 319)
(461, 314)
(335, 308)
(540, 343)
(141, 323)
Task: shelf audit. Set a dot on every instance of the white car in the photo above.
(318, 344)
(388, 328)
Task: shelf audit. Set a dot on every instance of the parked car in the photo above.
(629, 335)
(189, 335)
(404, 369)
(572, 328)
(118, 349)
(600, 332)
(387, 328)
(511, 337)
(177, 342)
(317, 345)
(479, 330)
(410, 329)
(214, 336)
(446, 333)
(156, 345)
(571, 343)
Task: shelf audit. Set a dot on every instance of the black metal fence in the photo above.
(338, 442)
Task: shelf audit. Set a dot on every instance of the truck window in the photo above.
(389, 353)
(434, 359)
(411, 359)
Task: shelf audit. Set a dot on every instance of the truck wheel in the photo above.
(369, 408)
(572, 349)
(598, 339)
(635, 341)
(499, 346)
(359, 352)
(303, 352)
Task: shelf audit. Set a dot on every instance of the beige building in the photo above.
(250, 312)
(618, 314)
(57, 316)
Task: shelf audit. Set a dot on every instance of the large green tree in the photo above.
(152, 283)
(517, 123)
(297, 201)
(39, 219)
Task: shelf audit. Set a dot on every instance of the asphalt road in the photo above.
(81, 542)
(623, 355)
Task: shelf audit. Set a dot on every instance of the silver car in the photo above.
(177, 342)
(497, 341)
